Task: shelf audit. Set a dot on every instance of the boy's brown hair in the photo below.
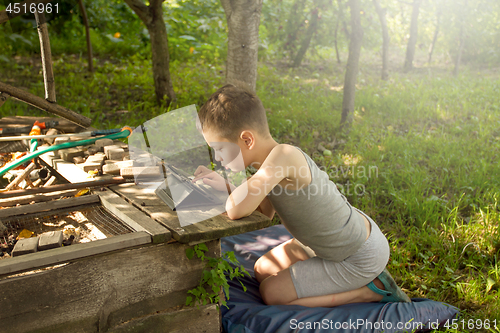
(231, 110)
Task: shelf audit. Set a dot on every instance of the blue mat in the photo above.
(247, 312)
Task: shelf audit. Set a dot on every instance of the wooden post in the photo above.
(87, 34)
(45, 105)
(48, 72)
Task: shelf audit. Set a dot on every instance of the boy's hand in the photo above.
(210, 177)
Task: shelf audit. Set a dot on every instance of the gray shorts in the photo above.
(316, 276)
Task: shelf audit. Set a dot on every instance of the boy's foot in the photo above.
(392, 292)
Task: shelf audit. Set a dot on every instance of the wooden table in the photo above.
(139, 285)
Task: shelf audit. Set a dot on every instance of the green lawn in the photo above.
(421, 158)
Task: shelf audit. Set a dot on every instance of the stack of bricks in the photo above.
(110, 157)
(45, 241)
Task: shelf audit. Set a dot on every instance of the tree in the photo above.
(385, 37)
(243, 20)
(311, 29)
(412, 41)
(293, 25)
(152, 16)
(462, 38)
(351, 72)
(87, 35)
(436, 33)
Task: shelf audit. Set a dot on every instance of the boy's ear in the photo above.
(248, 139)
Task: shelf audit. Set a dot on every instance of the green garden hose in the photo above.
(125, 132)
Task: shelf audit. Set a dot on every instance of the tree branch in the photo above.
(226, 4)
(45, 105)
(140, 9)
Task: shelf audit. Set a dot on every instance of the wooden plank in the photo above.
(72, 252)
(212, 228)
(64, 125)
(46, 206)
(98, 293)
(188, 320)
(103, 181)
(22, 200)
(132, 216)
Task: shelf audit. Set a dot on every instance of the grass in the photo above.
(421, 158)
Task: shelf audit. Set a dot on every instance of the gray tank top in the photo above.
(319, 216)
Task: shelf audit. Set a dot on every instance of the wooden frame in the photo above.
(146, 231)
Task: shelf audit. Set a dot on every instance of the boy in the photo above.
(338, 254)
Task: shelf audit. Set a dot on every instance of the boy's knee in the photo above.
(269, 293)
(260, 270)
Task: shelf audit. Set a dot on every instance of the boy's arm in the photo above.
(248, 196)
(266, 208)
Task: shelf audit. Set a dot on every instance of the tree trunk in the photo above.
(243, 20)
(152, 16)
(385, 36)
(412, 41)
(352, 64)
(462, 40)
(311, 29)
(87, 35)
(335, 41)
(293, 25)
(434, 39)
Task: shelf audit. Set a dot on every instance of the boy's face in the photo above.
(227, 153)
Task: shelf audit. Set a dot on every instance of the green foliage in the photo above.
(196, 29)
(214, 277)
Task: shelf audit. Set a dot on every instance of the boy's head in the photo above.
(232, 121)
(231, 110)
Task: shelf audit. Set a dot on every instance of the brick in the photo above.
(115, 167)
(101, 143)
(51, 131)
(90, 166)
(92, 150)
(61, 139)
(97, 158)
(25, 246)
(70, 153)
(58, 141)
(141, 172)
(114, 152)
(50, 240)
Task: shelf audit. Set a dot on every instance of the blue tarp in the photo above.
(247, 312)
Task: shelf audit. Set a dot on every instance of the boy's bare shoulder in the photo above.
(285, 155)
(288, 161)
